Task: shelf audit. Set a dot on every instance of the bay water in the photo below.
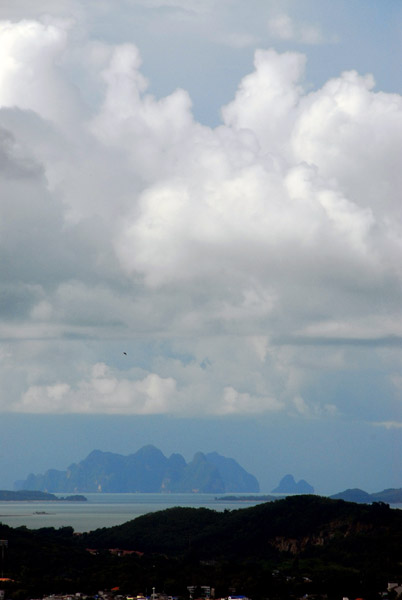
(105, 510)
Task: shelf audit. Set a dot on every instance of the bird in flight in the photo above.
(125, 353)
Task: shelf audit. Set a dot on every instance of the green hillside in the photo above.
(298, 545)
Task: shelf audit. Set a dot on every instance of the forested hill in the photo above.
(148, 470)
(303, 544)
(294, 524)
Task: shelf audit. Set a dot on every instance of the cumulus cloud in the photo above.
(103, 393)
(232, 253)
(32, 73)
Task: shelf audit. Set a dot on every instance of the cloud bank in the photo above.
(243, 267)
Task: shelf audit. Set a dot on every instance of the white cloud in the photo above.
(31, 76)
(244, 403)
(252, 243)
(102, 392)
(150, 132)
(266, 99)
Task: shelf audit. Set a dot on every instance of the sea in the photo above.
(105, 510)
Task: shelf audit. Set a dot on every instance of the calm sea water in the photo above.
(103, 510)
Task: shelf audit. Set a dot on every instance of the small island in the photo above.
(37, 496)
(258, 498)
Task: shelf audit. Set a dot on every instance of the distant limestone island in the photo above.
(288, 486)
(36, 496)
(389, 496)
(146, 471)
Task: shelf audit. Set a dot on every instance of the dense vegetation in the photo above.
(298, 545)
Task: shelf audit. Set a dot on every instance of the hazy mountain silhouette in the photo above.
(288, 485)
(148, 470)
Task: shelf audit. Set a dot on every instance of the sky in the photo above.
(201, 235)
